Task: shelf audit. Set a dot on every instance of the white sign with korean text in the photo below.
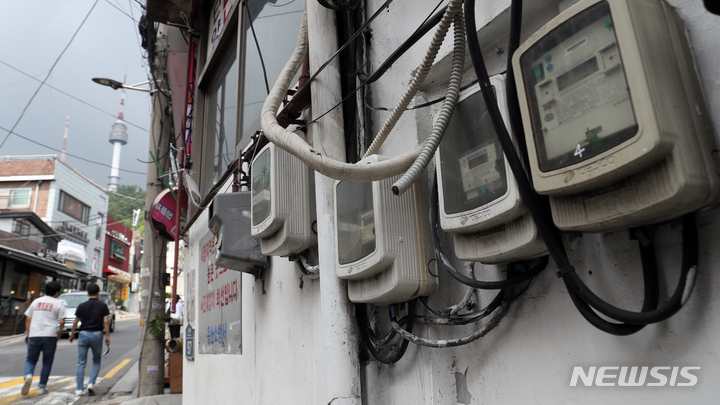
(219, 17)
(219, 304)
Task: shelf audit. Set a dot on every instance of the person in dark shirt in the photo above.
(93, 317)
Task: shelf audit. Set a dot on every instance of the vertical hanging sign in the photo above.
(219, 16)
(219, 305)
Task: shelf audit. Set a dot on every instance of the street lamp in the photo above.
(117, 85)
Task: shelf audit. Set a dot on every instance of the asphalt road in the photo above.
(124, 342)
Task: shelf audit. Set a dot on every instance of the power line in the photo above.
(121, 10)
(58, 150)
(70, 95)
(48, 75)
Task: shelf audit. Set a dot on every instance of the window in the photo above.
(98, 226)
(23, 227)
(19, 286)
(276, 28)
(220, 122)
(15, 198)
(117, 250)
(73, 207)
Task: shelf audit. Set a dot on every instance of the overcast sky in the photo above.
(34, 34)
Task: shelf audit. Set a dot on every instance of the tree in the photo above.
(123, 202)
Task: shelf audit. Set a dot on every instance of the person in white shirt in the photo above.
(44, 323)
(179, 309)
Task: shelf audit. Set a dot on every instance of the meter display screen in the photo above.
(355, 221)
(261, 188)
(472, 163)
(577, 92)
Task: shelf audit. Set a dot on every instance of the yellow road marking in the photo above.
(15, 382)
(11, 342)
(33, 392)
(117, 368)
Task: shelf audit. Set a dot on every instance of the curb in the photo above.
(11, 337)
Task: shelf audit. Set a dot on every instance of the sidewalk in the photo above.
(124, 314)
(125, 391)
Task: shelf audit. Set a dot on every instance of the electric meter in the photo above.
(283, 202)
(479, 198)
(384, 246)
(616, 126)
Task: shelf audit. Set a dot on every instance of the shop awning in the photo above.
(113, 273)
(39, 264)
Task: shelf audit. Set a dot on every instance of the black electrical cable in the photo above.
(362, 321)
(364, 82)
(513, 105)
(551, 234)
(650, 302)
(682, 292)
(377, 341)
(423, 105)
(444, 343)
(344, 4)
(423, 29)
(257, 45)
(445, 263)
(464, 319)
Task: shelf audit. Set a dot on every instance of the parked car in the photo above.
(73, 299)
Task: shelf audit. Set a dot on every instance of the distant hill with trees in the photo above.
(123, 202)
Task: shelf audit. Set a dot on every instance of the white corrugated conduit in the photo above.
(451, 97)
(420, 75)
(295, 145)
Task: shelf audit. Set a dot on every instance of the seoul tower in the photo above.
(118, 137)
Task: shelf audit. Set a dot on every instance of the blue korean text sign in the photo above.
(190, 343)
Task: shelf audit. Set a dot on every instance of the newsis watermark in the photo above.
(659, 376)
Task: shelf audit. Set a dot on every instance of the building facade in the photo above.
(116, 261)
(283, 336)
(69, 202)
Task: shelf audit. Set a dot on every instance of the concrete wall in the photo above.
(282, 349)
(74, 183)
(530, 357)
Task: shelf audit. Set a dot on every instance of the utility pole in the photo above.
(152, 355)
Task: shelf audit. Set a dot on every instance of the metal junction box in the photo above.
(230, 223)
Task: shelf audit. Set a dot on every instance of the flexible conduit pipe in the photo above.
(420, 75)
(321, 162)
(451, 97)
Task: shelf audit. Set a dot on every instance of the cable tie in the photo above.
(563, 272)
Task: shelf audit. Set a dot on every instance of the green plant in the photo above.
(157, 326)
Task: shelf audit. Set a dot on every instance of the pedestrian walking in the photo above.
(93, 318)
(43, 325)
(179, 313)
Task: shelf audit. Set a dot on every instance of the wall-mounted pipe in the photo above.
(339, 342)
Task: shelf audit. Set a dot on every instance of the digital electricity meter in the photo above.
(384, 247)
(283, 202)
(479, 198)
(617, 129)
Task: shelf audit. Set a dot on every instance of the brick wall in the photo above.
(42, 200)
(27, 167)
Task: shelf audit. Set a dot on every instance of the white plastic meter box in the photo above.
(479, 198)
(230, 222)
(384, 245)
(617, 129)
(283, 202)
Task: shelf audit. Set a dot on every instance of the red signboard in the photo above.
(163, 214)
